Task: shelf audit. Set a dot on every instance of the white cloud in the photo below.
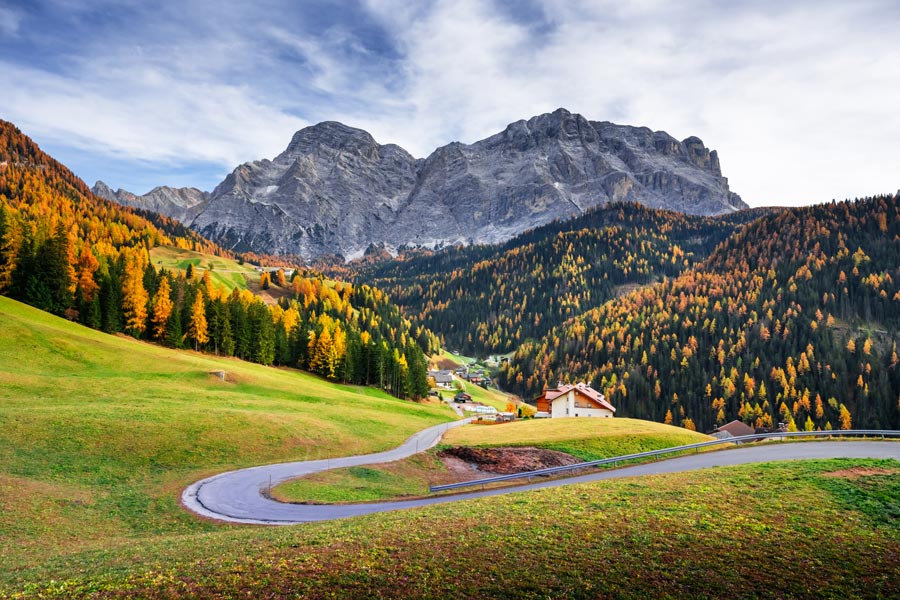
(147, 115)
(799, 98)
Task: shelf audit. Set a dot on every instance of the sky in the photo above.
(801, 98)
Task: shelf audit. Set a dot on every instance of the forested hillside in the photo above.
(794, 319)
(491, 299)
(68, 252)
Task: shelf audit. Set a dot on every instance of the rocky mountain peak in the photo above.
(329, 137)
(335, 190)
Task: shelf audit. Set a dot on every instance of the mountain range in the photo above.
(336, 191)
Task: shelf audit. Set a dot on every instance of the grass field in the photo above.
(99, 433)
(588, 439)
(823, 529)
(490, 397)
(224, 272)
(370, 483)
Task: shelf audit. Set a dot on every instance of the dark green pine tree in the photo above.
(111, 301)
(23, 272)
(226, 345)
(214, 320)
(240, 329)
(262, 334)
(417, 374)
(173, 336)
(282, 346)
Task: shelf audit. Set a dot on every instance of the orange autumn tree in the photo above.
(197, 329)
(134, 296)
(162, 308)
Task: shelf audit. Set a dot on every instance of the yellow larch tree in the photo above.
(162, 308)
(134, 296)
(197, 328)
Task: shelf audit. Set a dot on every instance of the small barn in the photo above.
(578, 400)
(732, 430)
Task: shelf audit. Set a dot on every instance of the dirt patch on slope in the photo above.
(445, 363)
(857, 472)
(508, 460)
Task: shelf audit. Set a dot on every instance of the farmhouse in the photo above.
(443, 378)
(732, 430)
(579, 400)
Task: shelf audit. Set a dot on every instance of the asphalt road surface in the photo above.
(239, 496)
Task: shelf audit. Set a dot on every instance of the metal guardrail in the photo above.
(882, 433)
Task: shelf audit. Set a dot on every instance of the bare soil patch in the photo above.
(857, 472)
(504, 461)
(445, 363)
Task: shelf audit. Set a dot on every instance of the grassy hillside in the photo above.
(99, 433)
(824, 529)
(588, 439)
(224, 271)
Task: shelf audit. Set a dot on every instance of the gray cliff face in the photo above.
(335, 190)
(182, 204)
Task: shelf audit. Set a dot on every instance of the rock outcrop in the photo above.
(335, 190)
(182, 204)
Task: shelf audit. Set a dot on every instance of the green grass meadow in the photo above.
(782, 530)
(224, 272)
(99, 434)
(587, 439)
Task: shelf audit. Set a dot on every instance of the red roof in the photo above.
(580, 388)
(737, 428)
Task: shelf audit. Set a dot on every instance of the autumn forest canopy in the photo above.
(769, 316)
(765, 315)
(68, 252)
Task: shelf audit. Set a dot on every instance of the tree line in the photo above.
(66, 251)
(491, 299)
(792, 320)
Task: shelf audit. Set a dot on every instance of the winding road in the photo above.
(239, 496)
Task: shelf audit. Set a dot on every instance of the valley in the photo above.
(139, 359)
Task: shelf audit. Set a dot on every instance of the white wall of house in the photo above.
(564, 406)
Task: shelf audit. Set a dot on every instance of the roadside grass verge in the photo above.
(778, 530)
(405, 478)
(587, 439)
(99, 434)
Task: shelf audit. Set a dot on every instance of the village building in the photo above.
(578, 400)
(443, 378)
(732, 430)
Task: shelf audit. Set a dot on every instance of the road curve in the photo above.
(238, 496)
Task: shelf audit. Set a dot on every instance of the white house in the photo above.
(579, 400)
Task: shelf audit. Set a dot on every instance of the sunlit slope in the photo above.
(588, 439)
(99, 433)
(224, 271)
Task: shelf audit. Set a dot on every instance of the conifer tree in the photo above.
(134, 297)
(197, 328)
(173, 336)
(162, 308)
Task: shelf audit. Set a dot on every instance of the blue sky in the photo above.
(800, 98)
